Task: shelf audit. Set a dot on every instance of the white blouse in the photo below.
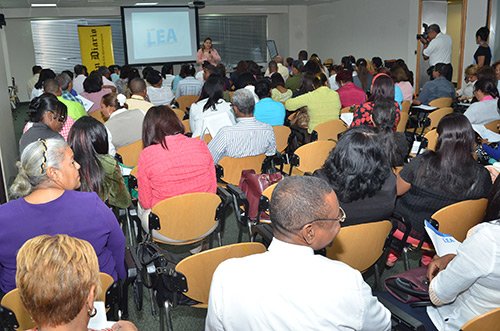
(197, 115)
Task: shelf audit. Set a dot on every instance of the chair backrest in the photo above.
(313, 155)
(199, 268)
(234, 166)
(458, 218)
(432, 139)
(130, 153)
(269, 191)
(179, 113)
(106, 282)
(493, 126)
(403, 120)
(361, 245)
(330, 130)
(12, 301)
(345, 110)
(405, 106)
(187, 126)
(437, 115)
(97, 114)
(441, 102)
(281, 134)
(187, 218)
(186, 101)
(487, 321)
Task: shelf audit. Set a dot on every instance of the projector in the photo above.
(196, 4)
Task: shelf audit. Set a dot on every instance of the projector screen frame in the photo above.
(124, 34)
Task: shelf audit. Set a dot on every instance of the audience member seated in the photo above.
(158, 93)
(395, 144)
(99, 171)
(58, 282)
(401, 80)
(240, 69)
(295, 80)
(248, 137)
(277, 67)
(188, 85)
(349, 93)
(437, 88)
(332, 80)
(485, 110)
(80, 76)
(48, 204)
(467, 91)
(382, 90)
(65, 81)
(211, 103)
(106, 77)
(94, 90)
(364, 198)
(167, 73)
(125, 126)
(247, 81)
(38, 90)
(122, 82)
(30, 84)
(47, 115)
(75, 108)
(466, 285)
(363, 77)
(267, 110)
(278, 90)
(377, 64)
(437, 179)
(115, 72)
(323, 104)
(170, 163)
(305, 217)
(139, 93)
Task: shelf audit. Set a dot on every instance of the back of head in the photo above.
(487, 72)
(471, 70)
(487, 87)
(167, 69)
(483, 33)
(146, 71)
(398, 74)
(124, 72)
(277, 80)
(104, 71)
(319, 80)
(137, 86)
(384, 115)
(187, 69)
(132, 73)
(299, 65)
(36, 69)
(347, 62)
(312, 67)
(51, 86)
(64, 80)
(263, 88)
(444, 69)
(243, 99)
(307, 83)
(159, 122)
(47, 102)
(114, 100)
(242, 67)
(434, 28)
(344, 75)
(358, 152)
(153, 77)
(69, 269)
(297, 201)
(382, 88)
(32, 168)
(246, 79)
(303, 56)
(79, 69)
(254, 69)
(455, 135)
(213, 90)
(93, 83)
(45, 74)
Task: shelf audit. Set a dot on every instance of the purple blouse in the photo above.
(79, 214)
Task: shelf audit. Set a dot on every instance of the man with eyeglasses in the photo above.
(288, 287)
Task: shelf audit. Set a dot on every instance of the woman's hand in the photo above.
(438, 264)
(124, 326)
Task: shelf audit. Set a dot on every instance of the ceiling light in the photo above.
(43, 5)
(146, 3)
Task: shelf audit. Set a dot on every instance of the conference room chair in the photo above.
(457, 219)
(330, 130)
(186, 101)
(230, 168)
(179, 113)
(130, 153)
(405, 106)
(98, 116)
(441, 102)
(431, 137)
(360, 246)
(310, 157)
(195, 274)
(436, 116)
(187, 126)
(12, 301)
(262, 226)
(403, 120)
(281, 134)
(487, 321)
(493, 126)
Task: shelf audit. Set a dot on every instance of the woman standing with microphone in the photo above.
(208, 53)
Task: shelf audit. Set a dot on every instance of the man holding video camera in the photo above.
(437, 47)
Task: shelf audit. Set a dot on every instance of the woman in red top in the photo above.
(382, 89)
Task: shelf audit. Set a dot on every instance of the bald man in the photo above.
(288, 287)
(139, 95)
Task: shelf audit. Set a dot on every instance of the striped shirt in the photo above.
(248, 137)
(68, 96)
(188, 86)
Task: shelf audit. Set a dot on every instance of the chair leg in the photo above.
(168, 316)
(250, 236)
(219, 238)
(406, 259)
(377, 277)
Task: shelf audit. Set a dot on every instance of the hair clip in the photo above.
(121, 99)
(44, 155)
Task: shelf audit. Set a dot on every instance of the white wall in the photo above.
(298, 29)
(363, 28)
(476, 18)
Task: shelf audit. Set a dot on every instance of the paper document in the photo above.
(87, 104)
(443, 243)
(347, 118)
(415, 147)
(99, 321)
(425, 107)
(125, 170)
(214, 123)
(486, 134)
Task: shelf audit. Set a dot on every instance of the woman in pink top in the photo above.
(94, 91)
(171, 164)
(208, 53)
(401, 79)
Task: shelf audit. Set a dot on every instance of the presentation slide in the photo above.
(160, 34)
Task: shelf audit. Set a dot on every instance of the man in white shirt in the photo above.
(438, 47)
(277, 66)
(288, 287)
(80, 76)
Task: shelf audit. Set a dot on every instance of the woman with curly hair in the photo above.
(361, 176)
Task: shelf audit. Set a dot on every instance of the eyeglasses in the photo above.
(341, 218)
(59, 118)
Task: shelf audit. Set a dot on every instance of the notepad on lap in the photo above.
(214, 123)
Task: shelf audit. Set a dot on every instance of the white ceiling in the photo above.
(117, 3)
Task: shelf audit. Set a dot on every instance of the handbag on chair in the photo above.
(411, 286)
(253, 184)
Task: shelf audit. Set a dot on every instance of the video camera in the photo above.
(425, 34)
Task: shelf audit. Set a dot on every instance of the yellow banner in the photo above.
(96, 46)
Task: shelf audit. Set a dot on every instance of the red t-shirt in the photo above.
(362, 115)
(351, 95)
